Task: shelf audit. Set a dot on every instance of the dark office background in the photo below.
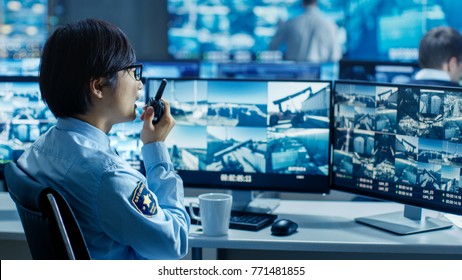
(144, 21)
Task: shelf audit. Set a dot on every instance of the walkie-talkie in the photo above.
(158, 104)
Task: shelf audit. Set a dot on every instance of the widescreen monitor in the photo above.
(283, 70)
(378, 71)
(24, 27)
(20, 67)
(170, 69)
(401, 143)
(392, 30)
(217, 30)
(250, 135)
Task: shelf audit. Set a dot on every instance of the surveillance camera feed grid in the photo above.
(399, 140)
(249, 126)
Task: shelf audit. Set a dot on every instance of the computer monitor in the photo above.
(378, 71)
(283, 70)
(23, 116)
(24, 27)
(218, 30)
(170, 69)
(250, 135)
(399, 143)
(20, 67)
(392, 30)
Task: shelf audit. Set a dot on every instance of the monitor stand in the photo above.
(245, 201)
(411, 222)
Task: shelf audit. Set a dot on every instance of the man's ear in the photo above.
(453, 63)
(96, 87)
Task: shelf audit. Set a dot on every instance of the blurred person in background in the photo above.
(310, 37)
(440, 57)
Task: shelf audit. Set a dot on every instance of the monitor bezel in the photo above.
(348, 63)
(173, 63)
(297, 69)
(19, 79)
(374, 194)
(318, 183)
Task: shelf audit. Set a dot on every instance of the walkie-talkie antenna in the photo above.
(161, 89)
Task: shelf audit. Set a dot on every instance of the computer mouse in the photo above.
(283, 227)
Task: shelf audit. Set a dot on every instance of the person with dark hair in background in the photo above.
(308, 37)
(440, 57)
(90, 81)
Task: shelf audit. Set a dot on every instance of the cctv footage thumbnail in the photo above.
(242, 126)
(400, 140)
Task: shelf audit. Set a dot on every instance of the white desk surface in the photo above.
(324, 226)
(329, 226)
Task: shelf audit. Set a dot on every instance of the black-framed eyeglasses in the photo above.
(137, 70)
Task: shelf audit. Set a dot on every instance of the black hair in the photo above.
(438, 46)
(74, 55)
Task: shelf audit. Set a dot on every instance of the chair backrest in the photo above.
(51, 229)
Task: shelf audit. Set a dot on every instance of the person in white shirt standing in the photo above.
(308, 37)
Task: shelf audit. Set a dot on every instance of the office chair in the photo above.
(51, 229)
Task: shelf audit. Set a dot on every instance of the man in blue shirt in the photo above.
(440, 57)
(89, 80)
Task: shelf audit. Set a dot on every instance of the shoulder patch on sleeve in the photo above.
(144, 200)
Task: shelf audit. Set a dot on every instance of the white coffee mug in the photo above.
(215, 213)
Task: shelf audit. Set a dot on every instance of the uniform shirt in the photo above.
(433, 77)
(308, 37)
(122, 214)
